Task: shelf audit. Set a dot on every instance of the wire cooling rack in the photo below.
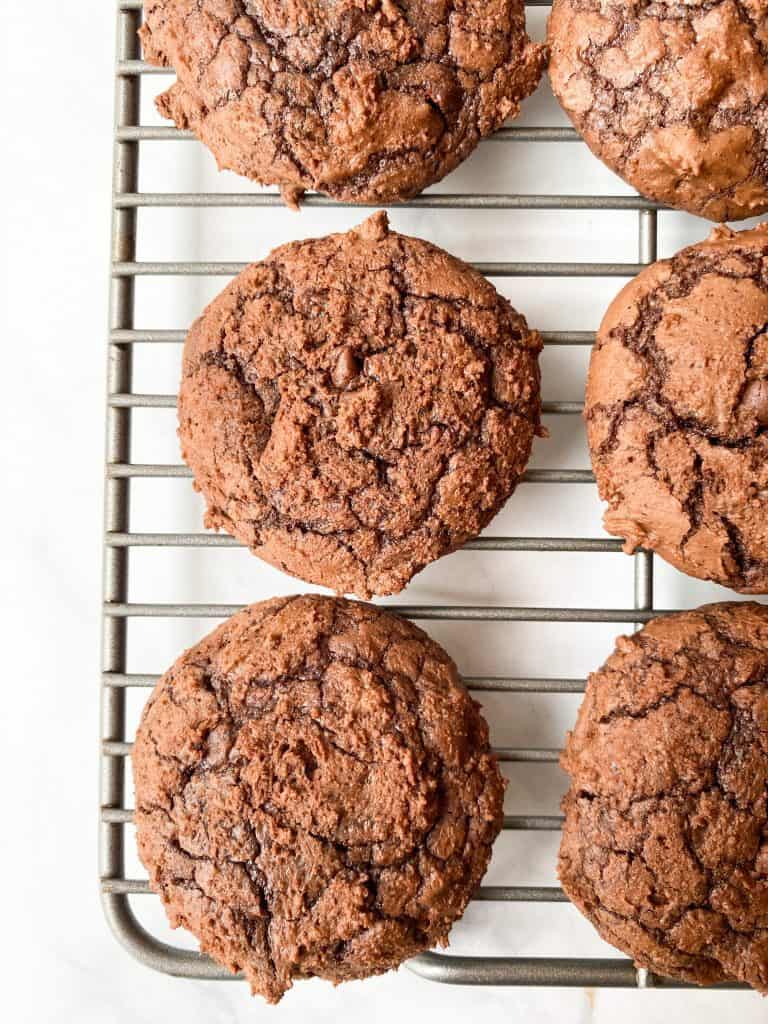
(117, 888)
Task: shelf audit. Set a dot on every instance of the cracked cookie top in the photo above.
(366, 100)
(357, 405)
(315, 794)
(677, 410)
(671, 96)
(665, 840)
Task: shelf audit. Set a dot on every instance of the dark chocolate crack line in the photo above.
(366, 100)
(671, 96)
(677, 410)
(315, 792)
(356, 406)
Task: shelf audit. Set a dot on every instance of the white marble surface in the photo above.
(60, 962)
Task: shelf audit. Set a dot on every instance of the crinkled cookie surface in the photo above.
(361, 99)
(356, 406)
(671, 96)
(315, 793)
(677, 410)
(665, 841)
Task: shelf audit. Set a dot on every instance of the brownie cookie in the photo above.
(355, 406)
(315, 794)
(671, 96)
(665, 841)
(677, 410)
(366, 100)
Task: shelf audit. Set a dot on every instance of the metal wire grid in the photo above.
(127, 200)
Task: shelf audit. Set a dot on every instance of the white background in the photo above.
(59, 960)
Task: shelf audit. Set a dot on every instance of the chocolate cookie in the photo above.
(677, 410)
(366, 100)
(665, 841)
(355, 406)
(671, 96)
(315, 794)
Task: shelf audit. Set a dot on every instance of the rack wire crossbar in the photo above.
(122, 402)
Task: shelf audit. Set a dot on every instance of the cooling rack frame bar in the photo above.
(122, 337)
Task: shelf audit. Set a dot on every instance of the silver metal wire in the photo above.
(116, 888)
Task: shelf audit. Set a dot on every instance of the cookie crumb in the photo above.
(375, 228)
(292, 196)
